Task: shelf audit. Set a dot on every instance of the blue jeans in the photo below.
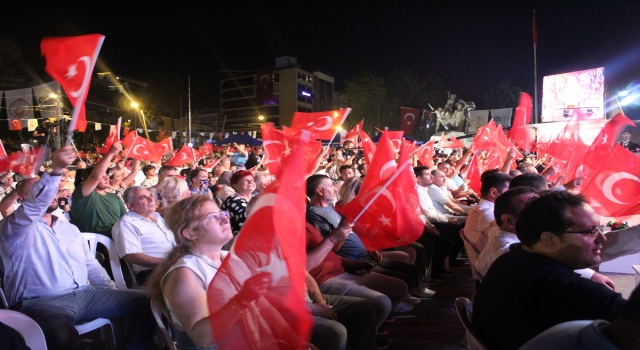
(57, 315)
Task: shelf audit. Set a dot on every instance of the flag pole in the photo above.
(384, 187)
(535, 69)
(344, 117)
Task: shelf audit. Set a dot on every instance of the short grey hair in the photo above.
(128, 195)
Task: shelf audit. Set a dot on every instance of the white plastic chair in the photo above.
(161, 313)
(107, 335)
(114, 258)
(26, 148)
(465, 314)
(26, 326)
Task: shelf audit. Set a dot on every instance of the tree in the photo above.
(366, 95)
(406, 89)
(503, 95)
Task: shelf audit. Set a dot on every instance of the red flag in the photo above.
(615, 188)
(182, 157)
(473, 174)
(368, 147)
(409, 119)
(126, 130)
(212, 164)
(277, 147)
(354, 132)
(396, 138)
(387, 214)
(15, 125)
(143, 149)
(605, 140)
(535, 30)
(129, 138)
(425, 154)
(23, 163)
(383, 164)
(271, 244)
(3, 152)
(111, 139)
(322, 125)
(264, 89)
(519, 133)
(288, 131)
(454, 143)
(164, 146)
(486, 135)
(70, 61)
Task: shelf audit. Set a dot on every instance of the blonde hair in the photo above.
(170, 191)
(183, 215)
(349, 189)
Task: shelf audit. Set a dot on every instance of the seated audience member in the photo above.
(236, 204)
(182, 280)
(53, 278)
(443, 230)
(320, 213)
(263, 179)
(94, 208)
(150, 178)
(169, 192)
(166, 171)
(481, 215)
(198, 182)
(346, 172)
(362, 169)
(531, 180)
(533, 287)
(141, 236)
(622, 333)
(225, 185)
(120, 180)
(441, 200)
(254, 158)
(507, 208)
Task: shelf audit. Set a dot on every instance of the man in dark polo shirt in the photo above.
(533, 287)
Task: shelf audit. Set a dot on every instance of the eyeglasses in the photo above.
(216, 216)
(592, 233)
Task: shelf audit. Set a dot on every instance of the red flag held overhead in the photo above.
(322, 125)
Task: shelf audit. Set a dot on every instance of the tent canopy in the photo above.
(241, 139)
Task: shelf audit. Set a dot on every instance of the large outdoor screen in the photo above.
(574, 92)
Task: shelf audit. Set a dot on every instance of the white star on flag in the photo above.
(486, 138)
(385, 221)
(277, 267)
(287, 151)
(72, 71)
(618, 191)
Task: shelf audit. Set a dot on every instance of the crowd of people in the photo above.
(531, 244)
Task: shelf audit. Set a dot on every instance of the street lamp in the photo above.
(261, 117)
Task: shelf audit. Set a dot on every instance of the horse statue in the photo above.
(453, 118)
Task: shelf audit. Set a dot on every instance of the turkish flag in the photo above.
(519, 133)
(396, 138)
(454, 143)
(212, 164)
(385, 210)
(485, 137)
(368, 147)
(111, 139)
(473, 174)
(128, 139)
(322, 125)
(70, 61)
(264, 85)
(270, 244)
(278, 146)
(409, 119)
(606, 139)
(15, 125)
(383, 164)
(23, 163)
(425, 154)
(164, 146)
(615, 188)
(142, 149)
(182, 157)
(354, 132)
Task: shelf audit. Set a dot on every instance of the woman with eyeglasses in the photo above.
(236, 204)
(182, 280)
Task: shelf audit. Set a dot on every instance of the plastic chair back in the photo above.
(26, 326)
(465, 313)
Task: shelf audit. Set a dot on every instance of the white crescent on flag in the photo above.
(135, 150)
(607, 185)
(388, 165)
(85, 80)
(413, 118)
(364, 199)
(326, 126)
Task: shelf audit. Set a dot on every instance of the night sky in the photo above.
(471, 45)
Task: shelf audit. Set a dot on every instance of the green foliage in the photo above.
(366, 94)
(503, 95)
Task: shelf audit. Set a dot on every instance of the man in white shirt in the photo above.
(507, 207)
(441, 201)
(481, 215)
(141, 236)
(51, 276)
